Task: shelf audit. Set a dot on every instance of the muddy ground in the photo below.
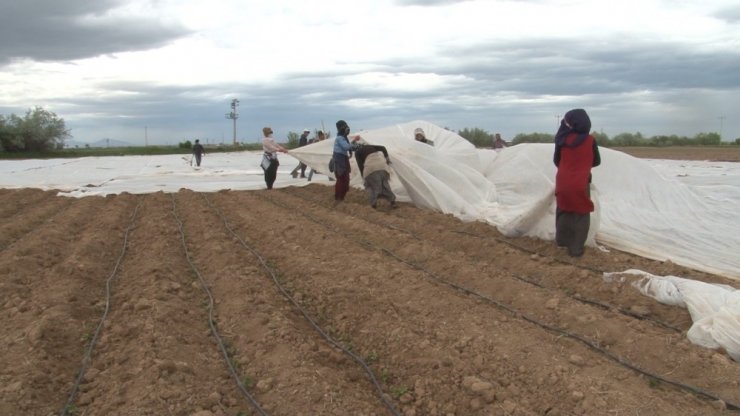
(276, 302)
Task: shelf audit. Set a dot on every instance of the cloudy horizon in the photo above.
(166, 70)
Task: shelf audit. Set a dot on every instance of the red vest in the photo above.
(572, 180)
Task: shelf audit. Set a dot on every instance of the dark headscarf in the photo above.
(342, 128)
(579, 123)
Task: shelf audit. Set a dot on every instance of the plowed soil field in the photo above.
(277, 302)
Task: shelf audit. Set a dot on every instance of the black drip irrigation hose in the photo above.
(311, 321)
(211, 322)
(581, 299)
(88, 352)
(515, 313)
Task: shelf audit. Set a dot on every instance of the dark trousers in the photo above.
(571, 231)
(341, 187)
(300, 166)
(376, 185)
(197, 159)
(271, 173)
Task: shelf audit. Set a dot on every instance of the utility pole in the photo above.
(146, 136)
(721, 124)
(233, 115)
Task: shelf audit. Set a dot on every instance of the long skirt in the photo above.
(571, 231)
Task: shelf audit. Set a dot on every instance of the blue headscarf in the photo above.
(574, 121)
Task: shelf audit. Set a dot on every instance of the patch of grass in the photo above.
(399, 391)
(87, 333)
(72, 410)
(236, 364)
(653, 382)
(371, 357)
(385, 375)
(229, 347)
(323, 317)
(247, 382)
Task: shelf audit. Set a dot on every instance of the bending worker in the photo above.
(373, 162)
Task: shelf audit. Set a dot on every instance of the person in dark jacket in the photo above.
(198, 152)
(576, 152)
(302, 141)
(373, 162)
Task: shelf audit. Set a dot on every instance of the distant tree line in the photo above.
(481, 138)
(632, 139)
(42, 131)
(38, 131)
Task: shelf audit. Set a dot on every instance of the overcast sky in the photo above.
(167, 70)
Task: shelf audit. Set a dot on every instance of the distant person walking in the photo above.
(270, 161)
(320, 136)
(576, 152)
(302, 141)
(498, 142)
(373, 162)
(342, 153)
(198, 152)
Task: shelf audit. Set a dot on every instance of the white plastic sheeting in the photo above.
(638, 209)
(714, 308)
(93, 176)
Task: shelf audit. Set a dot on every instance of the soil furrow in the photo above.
(30, 219)
(546, 269)
(614, 332)
(383, 305)
(16, 201)
(292, 369)
(156, 355)
(51, 300)
(370, 278)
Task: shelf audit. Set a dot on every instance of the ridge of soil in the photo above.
(451, 318)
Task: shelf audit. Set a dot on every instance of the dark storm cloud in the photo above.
(559, 67)
(74, 29)
(509, 87)
(185, 112)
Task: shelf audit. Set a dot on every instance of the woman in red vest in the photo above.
(576, 152)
